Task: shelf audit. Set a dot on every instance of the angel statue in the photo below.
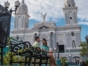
(43, 16)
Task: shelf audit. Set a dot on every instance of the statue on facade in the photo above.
(43, 16)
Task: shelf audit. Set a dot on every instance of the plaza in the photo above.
(64, 41)
(67, 36)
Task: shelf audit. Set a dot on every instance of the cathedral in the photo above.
(67, 36)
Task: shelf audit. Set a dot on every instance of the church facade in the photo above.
(67, 36)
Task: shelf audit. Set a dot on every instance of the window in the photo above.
(73, 44)
(17, 37)
(35, 34)
(61, 48)
(70, 17)
(69, 5)
(72, 33)
(51, 32)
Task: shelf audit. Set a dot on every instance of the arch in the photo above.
(72, 34)
(35, 34)
(76, 59)
(44, 36)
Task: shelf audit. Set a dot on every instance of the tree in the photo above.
(84, 50)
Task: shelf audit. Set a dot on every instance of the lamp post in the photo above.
(7, 4)
(58, 49)
(5, 10)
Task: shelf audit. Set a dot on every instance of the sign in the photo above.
(4, 28)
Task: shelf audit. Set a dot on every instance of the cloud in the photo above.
(53, 8)
(50, 7)
(82, 9)
(83, 23)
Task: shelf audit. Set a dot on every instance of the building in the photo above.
(67, 36)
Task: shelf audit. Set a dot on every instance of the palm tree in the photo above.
(84, 50)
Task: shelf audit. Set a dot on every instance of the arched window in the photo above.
(72, 33)
(69, 5)
(44, 36)
(35, 34)
(70, 17)
(17, 37)
(73, 44)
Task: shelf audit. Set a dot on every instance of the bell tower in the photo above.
(70, 12)
(21, 17)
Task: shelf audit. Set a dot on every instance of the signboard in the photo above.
(4, 28)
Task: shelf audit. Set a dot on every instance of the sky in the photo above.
(54, 10)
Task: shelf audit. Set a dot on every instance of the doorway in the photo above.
(44, 36)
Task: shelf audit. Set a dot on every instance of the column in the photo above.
(50, 39)
(54, 40)
(78, 39)
(34, 36)
(68, 42)
(66, 18)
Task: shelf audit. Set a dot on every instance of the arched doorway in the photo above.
(44, 36)
(76, 59)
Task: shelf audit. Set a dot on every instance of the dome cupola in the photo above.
(69, 3)
(22, 8)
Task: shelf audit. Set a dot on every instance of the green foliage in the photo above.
(20, 51)
(86, 62)
(15, 58)
(84, 50)
(63, 61)
(8, 40)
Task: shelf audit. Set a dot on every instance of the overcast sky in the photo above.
(54, 11)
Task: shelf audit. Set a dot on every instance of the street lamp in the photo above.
(7, 4)
(17, 3)
(58, 49)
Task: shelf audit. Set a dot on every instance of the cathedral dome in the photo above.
(22, 8)
(69, 3)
